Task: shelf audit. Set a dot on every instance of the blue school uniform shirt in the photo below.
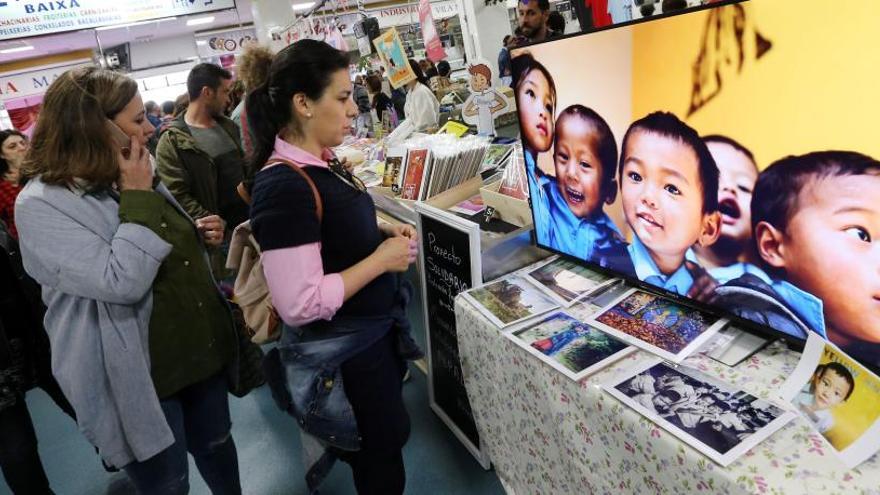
(537, 195)
(724, 274)
(646, 270)
(808, 307)
(588, 239)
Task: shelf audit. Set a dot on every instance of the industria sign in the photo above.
(24, 18)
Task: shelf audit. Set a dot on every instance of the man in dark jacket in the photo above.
(199, 156)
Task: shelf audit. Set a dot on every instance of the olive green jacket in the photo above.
(187, 171)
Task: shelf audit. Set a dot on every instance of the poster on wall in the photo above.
(838, 398)
(393, 57)
(21, 19)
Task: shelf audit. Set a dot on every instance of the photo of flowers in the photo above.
(656, 324)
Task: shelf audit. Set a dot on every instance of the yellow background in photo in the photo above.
(853, 417)
(816, 89)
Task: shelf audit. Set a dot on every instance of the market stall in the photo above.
(546, 433)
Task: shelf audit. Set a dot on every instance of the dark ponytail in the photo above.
(418, 70)
(303, 67)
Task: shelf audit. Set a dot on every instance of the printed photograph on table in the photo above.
(658, 325)
(718, 419)
(839, 398)
(567, 281)
(510, 300)
(570, 346)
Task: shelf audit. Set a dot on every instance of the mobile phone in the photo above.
(120, 138)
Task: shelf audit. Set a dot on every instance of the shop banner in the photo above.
(409, 14)
(226, 42)
(433, 46)
(394, 59)
(24, 18)
(34, 82)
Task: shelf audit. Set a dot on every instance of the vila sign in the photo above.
(24, 18)
(399, 16)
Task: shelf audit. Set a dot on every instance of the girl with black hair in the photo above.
(331, 271)
(422, 109)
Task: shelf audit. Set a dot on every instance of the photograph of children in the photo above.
(570, 346)
(510, 300)
(839, 398)
(658, 325)
(724, 194)
(585, 162)
(720, 421)
(567, 281)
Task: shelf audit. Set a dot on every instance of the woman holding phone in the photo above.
(141, 333)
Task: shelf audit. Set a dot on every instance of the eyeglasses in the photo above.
(340, 171)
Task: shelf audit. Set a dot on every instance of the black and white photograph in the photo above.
(718, 419)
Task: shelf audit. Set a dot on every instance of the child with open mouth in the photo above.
(585, 158)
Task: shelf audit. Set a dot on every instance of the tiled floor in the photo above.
(268, 450)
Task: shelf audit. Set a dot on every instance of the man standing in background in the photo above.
(532, 17)
(199, 156)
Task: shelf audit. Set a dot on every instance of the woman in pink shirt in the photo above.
(333, 274)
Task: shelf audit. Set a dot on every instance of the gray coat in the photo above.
(97, 277)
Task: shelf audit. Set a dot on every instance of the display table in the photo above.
(546, 434)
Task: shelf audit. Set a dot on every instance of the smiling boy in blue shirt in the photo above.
(669, 190)
(585, 157)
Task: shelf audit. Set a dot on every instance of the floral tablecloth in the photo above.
(547, 434)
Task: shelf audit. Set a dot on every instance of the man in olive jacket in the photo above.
(199, 157)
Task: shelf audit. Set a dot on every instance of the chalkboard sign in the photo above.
(450, 262)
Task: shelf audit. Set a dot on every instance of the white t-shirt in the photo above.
(422, 109)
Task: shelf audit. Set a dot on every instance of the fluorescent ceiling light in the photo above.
(303, 6)
(132, 24)
(23, 48)
(199, 21)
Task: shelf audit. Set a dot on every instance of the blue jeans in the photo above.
(199, 418)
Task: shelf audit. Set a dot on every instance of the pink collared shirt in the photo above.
(301, 291)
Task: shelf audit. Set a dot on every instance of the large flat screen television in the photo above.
(724, 156)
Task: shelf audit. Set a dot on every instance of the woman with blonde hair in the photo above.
(141, 333)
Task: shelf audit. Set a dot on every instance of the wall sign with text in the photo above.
(24, 18)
